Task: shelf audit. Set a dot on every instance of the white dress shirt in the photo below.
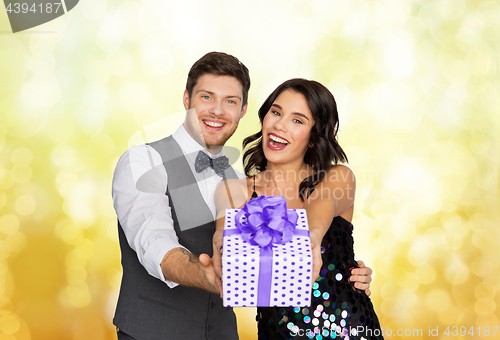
(145, 215)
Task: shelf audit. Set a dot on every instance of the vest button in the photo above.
(209, 328)
(212, 304)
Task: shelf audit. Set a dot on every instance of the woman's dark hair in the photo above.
(323, 151)
(219, 64)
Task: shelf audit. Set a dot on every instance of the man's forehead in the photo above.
(228, 86)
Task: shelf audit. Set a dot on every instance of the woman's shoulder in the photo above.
(339, 174)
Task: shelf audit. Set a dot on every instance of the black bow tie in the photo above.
(203, 161)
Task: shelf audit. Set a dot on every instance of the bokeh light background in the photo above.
(417, 85)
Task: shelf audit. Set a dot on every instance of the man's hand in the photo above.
(214, 281)
(362, 277)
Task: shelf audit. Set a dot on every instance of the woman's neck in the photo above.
(284, 176)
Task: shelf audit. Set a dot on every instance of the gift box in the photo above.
(267, 258)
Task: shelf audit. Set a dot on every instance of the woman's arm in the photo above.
(229, 194)
(334, 196)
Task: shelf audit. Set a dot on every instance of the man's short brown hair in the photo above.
(220, 64)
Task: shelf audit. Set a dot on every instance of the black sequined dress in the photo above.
(337, 310)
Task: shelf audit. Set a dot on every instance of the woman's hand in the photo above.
(362, 277)
(316, 253)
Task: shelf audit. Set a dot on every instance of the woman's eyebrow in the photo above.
(295, 113)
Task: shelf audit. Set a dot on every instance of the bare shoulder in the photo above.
(339, 176)
(337, 188)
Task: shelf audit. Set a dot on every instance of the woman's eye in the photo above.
(297, 121)
(276, 113)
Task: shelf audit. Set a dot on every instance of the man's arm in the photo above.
(139, 186)
(181, 266)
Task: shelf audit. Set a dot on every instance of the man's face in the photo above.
(214, 110)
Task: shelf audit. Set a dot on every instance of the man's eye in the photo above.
(231, 102)
(205, 97)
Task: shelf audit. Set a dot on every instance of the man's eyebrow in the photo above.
(206, 91)
(212, 94)
(295, 113)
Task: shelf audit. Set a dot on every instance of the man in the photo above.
(166, 292)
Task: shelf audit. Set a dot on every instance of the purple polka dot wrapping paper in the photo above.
(283, 274)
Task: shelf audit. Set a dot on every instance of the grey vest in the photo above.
(147, 308)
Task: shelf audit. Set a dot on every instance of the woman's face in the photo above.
(286, 128)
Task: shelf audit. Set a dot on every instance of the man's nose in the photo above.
(217, 108)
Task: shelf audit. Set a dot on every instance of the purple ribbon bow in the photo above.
(265, 221)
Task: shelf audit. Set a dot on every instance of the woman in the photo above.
(295, 155)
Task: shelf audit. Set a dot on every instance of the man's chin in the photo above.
(216, 141)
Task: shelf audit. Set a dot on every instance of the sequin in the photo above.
(335, 306)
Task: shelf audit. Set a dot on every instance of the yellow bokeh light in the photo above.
(4, 250)
(485, 306)
(76, 295)
(25, 205)
(425, 273)
(9, 224)
(21, 155)
(9, 324)
(14, 63)
(21, 173)
(16, 241)
(438, 300)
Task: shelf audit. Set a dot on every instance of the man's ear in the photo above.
(244, 110)
(185, 99)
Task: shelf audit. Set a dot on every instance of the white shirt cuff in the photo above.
(154, 255)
